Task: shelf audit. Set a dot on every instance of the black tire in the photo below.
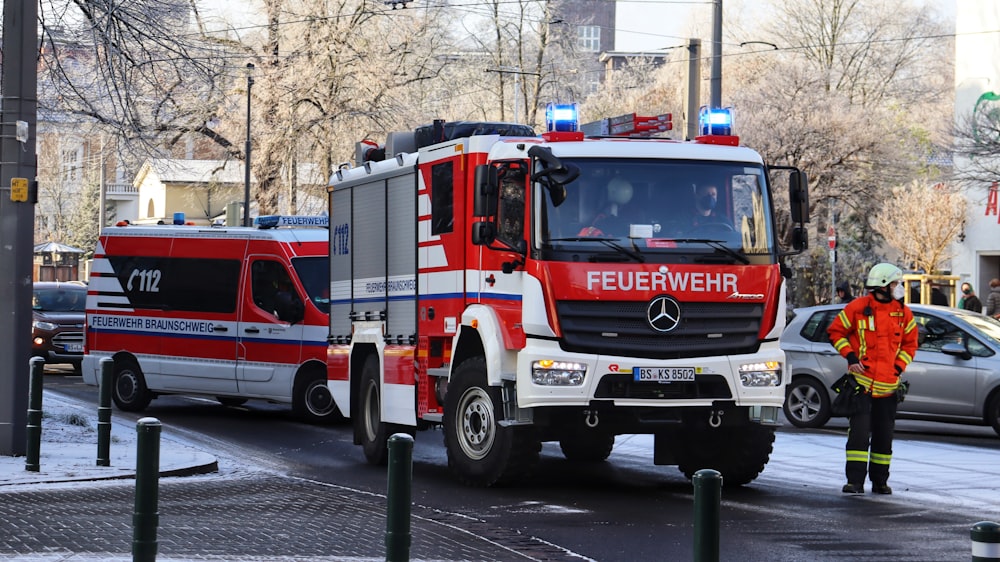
(231, 401)
(374, 433)
(77, 368)
(481, 452)
(312, 400)
(807, 403)
(587, 446)
(128, 389)
(738, 453)
(993, 412)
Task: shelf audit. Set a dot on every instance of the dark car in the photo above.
(954, 377)
(58, 313)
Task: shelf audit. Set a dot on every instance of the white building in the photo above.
(977, 73)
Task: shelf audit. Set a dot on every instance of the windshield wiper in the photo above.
(609, 242)
(718, 245)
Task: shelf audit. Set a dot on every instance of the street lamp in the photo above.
(246, 152)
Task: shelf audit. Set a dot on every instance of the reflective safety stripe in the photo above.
(857, 456)
(879, 458)
(985, 550)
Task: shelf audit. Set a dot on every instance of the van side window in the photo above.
(189, 284)
(274, 292)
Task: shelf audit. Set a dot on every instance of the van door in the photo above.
(270, 328)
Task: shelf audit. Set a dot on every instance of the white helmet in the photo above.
(882, 274)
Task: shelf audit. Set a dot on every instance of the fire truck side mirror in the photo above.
(800, 238)
(484, 233)
(485, 197)
(798, 196)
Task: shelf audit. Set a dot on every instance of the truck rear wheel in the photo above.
(738, 453)
(587, 446)
(481, 452)
(129, 388)
(369, 426)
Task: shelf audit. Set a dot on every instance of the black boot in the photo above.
(881, 489)
(850, 488)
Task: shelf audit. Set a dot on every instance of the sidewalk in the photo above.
(68, 451)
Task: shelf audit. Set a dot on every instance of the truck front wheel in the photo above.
(738, 453)
(481, 452)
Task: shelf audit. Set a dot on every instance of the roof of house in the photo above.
(178, 170)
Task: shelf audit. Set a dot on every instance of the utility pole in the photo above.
(694, 87)
(18, 191)
(716, 86)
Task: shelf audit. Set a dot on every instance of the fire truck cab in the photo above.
(233, 313)
(516, 289)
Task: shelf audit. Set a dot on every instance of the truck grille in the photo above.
(65, 338)
(621, 328)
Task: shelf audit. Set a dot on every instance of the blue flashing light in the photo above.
(562, 118)
(715, 121)
(272, 221)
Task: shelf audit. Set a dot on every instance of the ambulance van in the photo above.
(232, 313)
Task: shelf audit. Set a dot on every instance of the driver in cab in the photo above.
(706, 199)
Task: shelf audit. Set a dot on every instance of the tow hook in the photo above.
(590, 418)
(715, 418)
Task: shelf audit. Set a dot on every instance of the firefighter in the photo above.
(877, 335)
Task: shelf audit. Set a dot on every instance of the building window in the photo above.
(71, 166)
(588, 38)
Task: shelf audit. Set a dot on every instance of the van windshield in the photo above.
(314, 273)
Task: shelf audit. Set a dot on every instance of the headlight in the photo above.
(547, 372)
(44, 325)
(767, 373)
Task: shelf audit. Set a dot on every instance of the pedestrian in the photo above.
(877, 335)
(937, 295)
(993, 299)
(844, 293)
(969, 299)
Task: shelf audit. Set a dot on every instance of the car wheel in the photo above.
(807, 403)
(129, 387)
(993, 412)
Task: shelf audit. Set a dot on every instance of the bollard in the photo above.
(33, 447)
(985, 541)
(707, 497)
(397, 522)
(104, 413)
(146, 518)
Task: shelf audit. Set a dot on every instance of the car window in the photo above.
(936, 332)
(59, 300)
(815, 328)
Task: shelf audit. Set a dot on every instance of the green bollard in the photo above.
(397, 532)
(146, 517)
(104, 413)
(33, 448)
(985, 541)
(707, 497)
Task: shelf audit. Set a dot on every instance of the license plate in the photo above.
(74, 347)
(664, 374)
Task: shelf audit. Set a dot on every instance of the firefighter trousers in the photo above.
(873, 429)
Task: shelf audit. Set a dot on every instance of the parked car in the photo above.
(58, 313)
(954, 377)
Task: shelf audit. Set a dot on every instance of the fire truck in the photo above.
(478, 284)
(232, 313)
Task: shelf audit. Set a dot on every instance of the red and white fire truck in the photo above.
(232, 313)
(499, 284)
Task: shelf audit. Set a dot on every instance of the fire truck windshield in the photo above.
(690, 209)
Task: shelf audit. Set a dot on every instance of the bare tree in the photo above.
(922, 221)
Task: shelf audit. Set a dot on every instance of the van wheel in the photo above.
(312, 400)
(369, 426)
(129, 387)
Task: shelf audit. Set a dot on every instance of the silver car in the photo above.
(954, 377)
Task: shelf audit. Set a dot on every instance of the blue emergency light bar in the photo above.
(715, 121)
(272, 221)
(562, 118)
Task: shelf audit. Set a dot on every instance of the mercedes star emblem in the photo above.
(663, 314)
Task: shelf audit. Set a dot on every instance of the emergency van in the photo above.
(234, 313)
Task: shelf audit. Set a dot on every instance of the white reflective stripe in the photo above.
(988, 550)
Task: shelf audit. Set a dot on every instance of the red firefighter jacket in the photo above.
(883, 336)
